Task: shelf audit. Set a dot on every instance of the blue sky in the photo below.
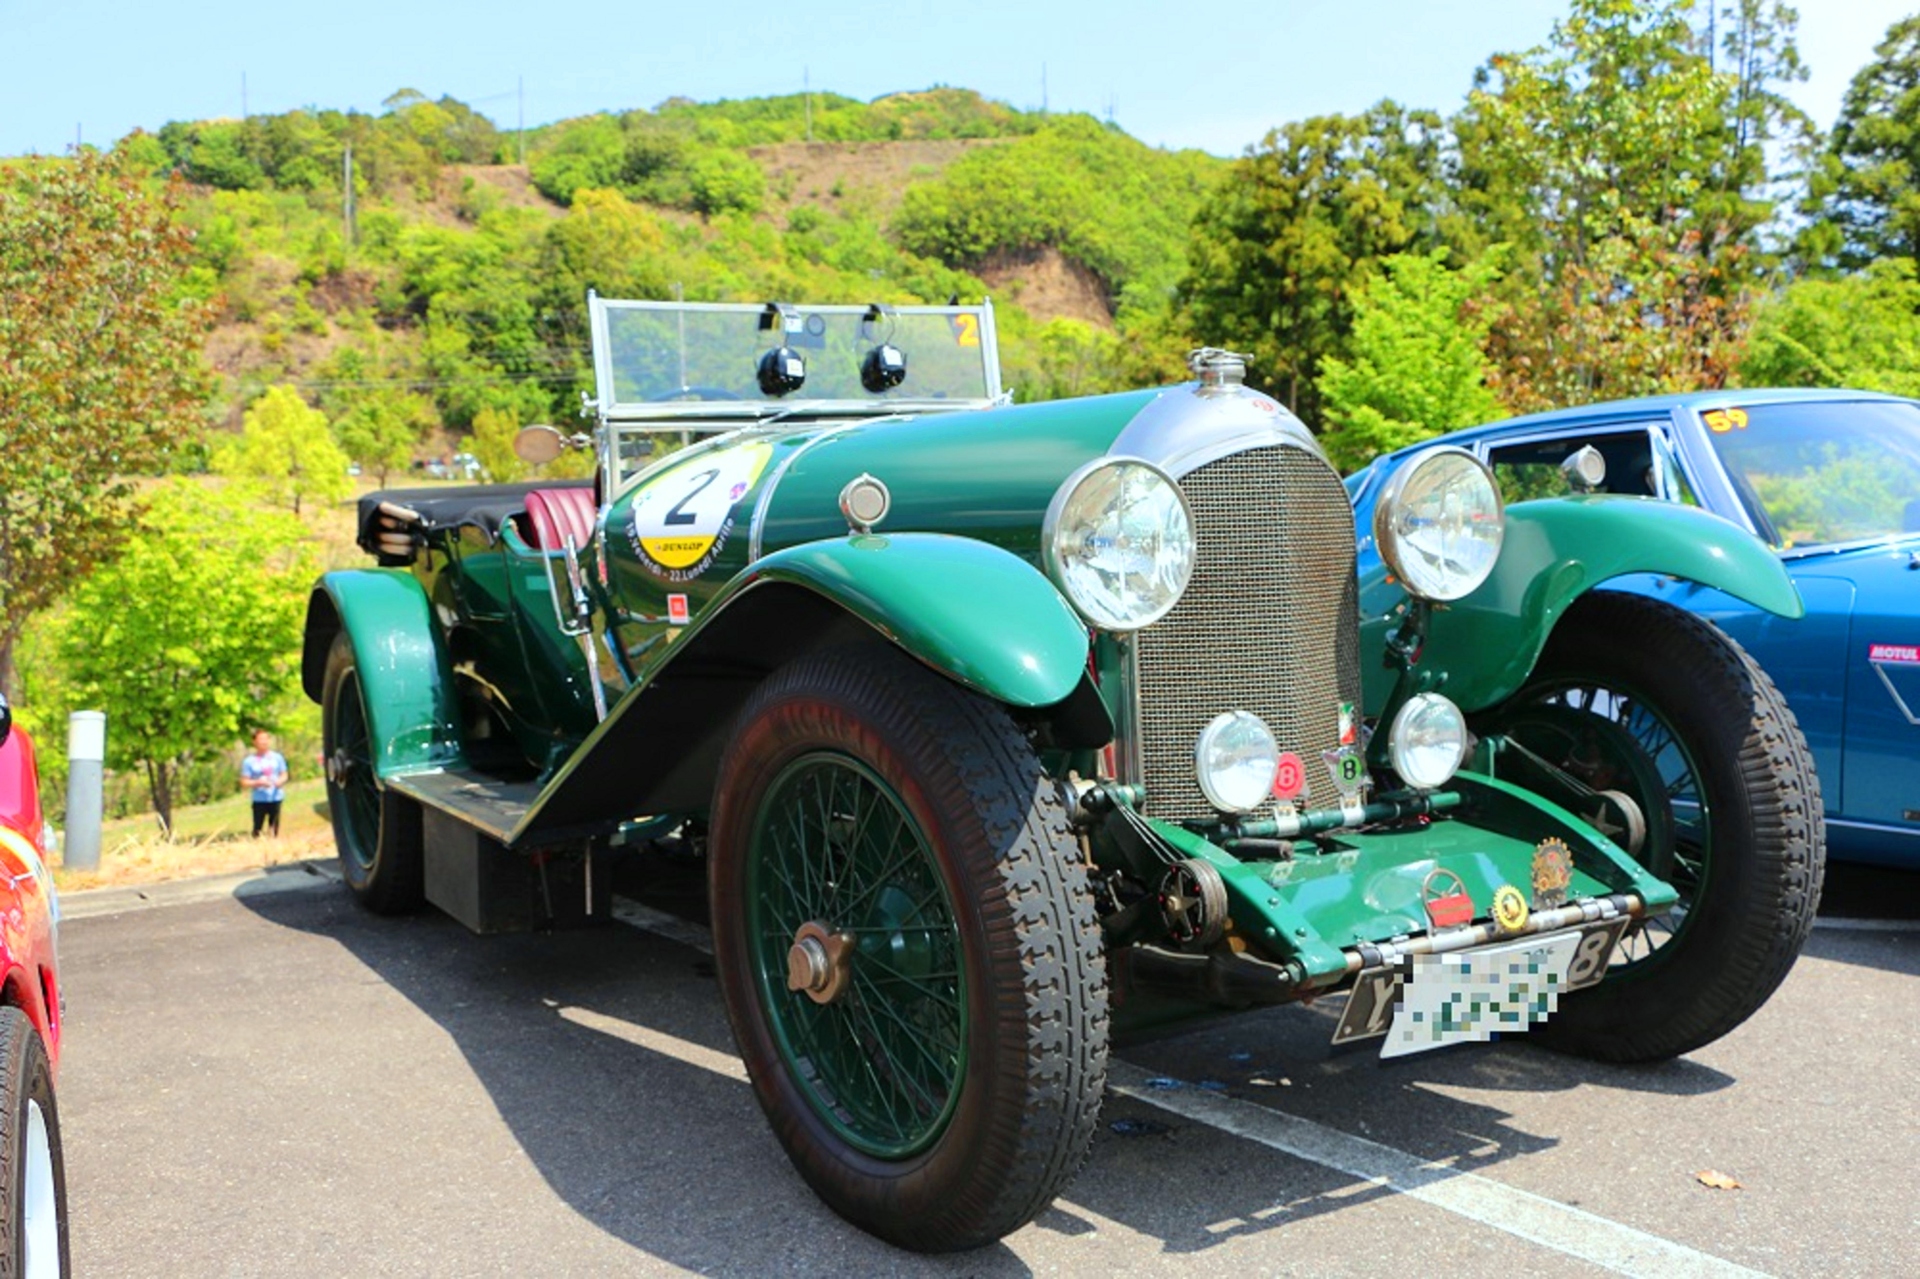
(1212, 76)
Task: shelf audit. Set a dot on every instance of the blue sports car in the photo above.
(1831, 481)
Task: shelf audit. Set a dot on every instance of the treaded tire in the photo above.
(28, 1232)
(1751, 910)
(1022, 1113)
(378, 834)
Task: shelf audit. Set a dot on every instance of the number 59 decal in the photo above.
(681, 520)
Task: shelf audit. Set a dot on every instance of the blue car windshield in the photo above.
(1816, 474)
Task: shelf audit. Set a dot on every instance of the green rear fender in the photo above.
(979, 614)
(1555, 551)
(411, 704)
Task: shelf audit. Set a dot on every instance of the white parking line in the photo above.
(1520, 1213)
(1547, 1222)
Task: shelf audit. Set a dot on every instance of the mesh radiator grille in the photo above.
(1269, 624)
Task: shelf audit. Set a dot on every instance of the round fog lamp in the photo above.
(1428, 741)
(1235, 760)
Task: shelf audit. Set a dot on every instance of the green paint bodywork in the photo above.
(978, 614)
(1480, 649)
(952, 575)
(402, 662)
(1368, 888)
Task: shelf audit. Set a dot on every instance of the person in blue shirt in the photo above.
(265, 773)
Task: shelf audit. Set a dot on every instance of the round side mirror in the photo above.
(538, 445)
(1585, 469)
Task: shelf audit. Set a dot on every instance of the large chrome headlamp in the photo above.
(1439, 522)
(1118, 540)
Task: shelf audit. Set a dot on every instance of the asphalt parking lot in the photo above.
(271, 1083)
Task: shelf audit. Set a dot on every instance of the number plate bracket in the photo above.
(1376, 998)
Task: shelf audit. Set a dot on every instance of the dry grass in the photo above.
(209, 839)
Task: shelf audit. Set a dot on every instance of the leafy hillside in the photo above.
(455, 282)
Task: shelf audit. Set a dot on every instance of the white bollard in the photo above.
(86, 779)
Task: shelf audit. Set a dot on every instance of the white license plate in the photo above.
(1471, 995)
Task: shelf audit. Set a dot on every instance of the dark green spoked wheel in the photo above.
(1636, 697)
(377, 832)
(854, 944)
(908, 949)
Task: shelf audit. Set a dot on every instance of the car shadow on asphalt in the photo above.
(607, 1054)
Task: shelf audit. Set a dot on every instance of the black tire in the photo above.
(1028, 995)
(33, 1172)
(377, 833)
(1721, 772)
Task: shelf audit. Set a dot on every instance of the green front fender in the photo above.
(403, 667)
(1555, 551)
(980, 614)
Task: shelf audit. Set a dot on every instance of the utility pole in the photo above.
(1043, 88)
(806, 90)
(346, 180)
(243, 97)
(520, 126)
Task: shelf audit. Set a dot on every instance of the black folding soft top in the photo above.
(485, 506)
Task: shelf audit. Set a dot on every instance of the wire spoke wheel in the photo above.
(1635, 697)
(1613, 738)
(881, 1060)
(377, 832)
(906, 941)
(352, 788)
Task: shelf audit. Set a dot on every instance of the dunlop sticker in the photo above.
(680, 522)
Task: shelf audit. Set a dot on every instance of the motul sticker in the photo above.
(677, 610)
(1895, 654)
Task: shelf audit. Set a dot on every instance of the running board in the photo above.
(480, 800)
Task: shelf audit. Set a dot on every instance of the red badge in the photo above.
(677, 610)
(1445, 896)
(1289, 776)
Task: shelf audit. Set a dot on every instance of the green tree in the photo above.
(190, 637)
(380, 429)
(1869, 190)
(492, 443)
(1640, 316)
(1281, 248)
(1614, 159)
(101, 377)
(286, 452)
(1860, 331)
(1416, 369)
(1620, 115)
(726, 181)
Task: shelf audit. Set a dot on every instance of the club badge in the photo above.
(1552, 873)
(1510, 909)
(1445, 896)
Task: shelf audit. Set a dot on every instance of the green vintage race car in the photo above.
(1004, 729)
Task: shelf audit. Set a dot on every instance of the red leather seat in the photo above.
(554, 515)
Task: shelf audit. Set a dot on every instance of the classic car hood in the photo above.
(988, 475)
(1885, 576)
(1896, 550)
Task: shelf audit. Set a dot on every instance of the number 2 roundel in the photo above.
(681, 520)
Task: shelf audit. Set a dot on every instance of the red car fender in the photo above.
(28, 976)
